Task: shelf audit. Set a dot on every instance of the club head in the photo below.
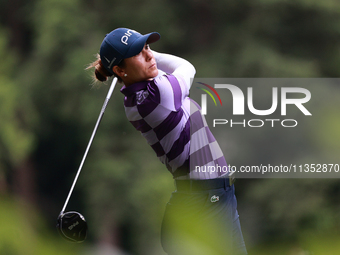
(72, 226)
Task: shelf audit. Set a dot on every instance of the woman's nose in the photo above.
(148, 54)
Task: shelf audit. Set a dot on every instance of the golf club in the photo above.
(72, 225)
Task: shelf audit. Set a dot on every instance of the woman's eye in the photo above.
(147, 47)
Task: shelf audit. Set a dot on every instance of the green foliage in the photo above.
(24, 232)
(16, 140)
(308, 244)
(48, 109)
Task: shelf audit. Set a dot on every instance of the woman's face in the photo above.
(141, 67)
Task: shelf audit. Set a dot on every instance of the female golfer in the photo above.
(201, 216)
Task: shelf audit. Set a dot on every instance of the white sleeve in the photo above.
(176, 66)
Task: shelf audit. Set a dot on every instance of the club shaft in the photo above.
(113, 84)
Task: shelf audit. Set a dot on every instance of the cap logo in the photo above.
(107, 59)
(110, 62)
(126, 36)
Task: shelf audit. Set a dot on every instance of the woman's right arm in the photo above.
(176, 66)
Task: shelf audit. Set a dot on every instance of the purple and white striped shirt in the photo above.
(173, 126)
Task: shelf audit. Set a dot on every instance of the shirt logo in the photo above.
(214, 199)
(141, 96)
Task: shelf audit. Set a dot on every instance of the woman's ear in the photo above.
(119, 71)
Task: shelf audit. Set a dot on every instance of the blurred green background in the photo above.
(48, 109)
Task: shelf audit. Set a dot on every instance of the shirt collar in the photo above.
(127, 91)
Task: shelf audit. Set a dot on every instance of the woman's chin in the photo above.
(155, 73)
